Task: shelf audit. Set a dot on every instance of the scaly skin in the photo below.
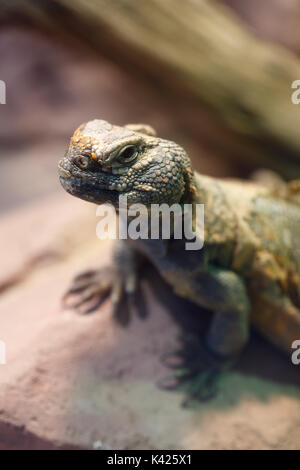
(249, 267)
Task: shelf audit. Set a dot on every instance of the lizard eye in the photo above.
(127, 154)
(82, 161)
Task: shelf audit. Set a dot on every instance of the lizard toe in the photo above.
(88, 290)
(203, 387)
(198, 373)
(175, 359)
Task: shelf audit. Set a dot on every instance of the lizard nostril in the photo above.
(82, 162)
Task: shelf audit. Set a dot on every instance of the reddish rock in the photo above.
(81, 381)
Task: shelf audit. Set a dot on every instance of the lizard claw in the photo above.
(198, 377)
(199, 387)
(175, 359)
(203, 387)
(90, 288)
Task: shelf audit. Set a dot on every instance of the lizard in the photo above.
(248, 270)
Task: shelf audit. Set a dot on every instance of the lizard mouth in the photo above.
(104, 180)
(80, 184)
(105, 187)
(89, 192)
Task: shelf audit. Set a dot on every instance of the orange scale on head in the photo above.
(76, 136)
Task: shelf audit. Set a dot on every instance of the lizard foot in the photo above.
(199, 375)
(90, 288)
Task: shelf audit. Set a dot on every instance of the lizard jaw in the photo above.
(88, 192)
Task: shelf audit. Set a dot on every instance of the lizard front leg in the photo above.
(90, 288)
(225, 293)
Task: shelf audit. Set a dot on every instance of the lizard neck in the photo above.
(204, 187)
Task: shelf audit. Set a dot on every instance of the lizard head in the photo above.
(104, 161)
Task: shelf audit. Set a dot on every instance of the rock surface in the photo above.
(82, 381)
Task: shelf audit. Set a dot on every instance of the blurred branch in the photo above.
(246, 81)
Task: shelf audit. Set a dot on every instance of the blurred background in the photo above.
(215, 76)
